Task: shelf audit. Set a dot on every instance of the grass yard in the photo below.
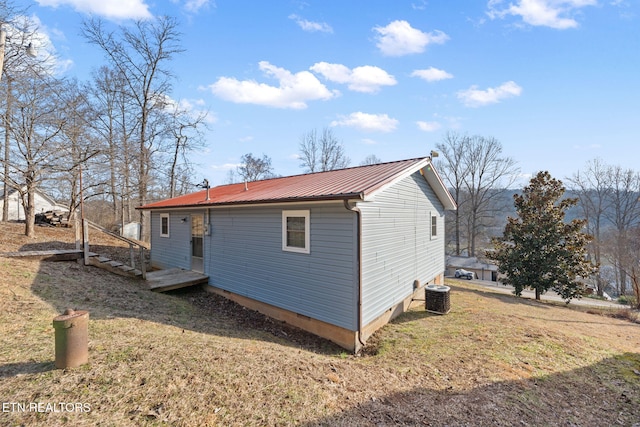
(190, 358)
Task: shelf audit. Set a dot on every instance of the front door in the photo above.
(197, 243)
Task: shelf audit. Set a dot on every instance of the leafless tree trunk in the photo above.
(13, 57)
(7, 150)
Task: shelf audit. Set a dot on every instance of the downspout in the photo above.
(359, 257)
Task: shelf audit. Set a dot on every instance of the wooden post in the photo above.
(78, 233)
(85, 241)
(142, 264)
(132, 257)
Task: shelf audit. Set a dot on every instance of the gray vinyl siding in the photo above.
(397, 246)
(175, 250)
(244, 255)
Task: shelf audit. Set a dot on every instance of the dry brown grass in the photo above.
(193, 359)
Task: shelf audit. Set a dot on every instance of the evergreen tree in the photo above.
(539, 250)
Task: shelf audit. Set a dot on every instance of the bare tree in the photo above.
(114, 128)
(371, 159)
(141, 54)
(320, 153)
(36, 129)
(186, 129)
(479, 174)
(78, 146)
(623, 214)
(453, 149)
(255, 168)
(15, 66)
(592, 189)
(231, 177)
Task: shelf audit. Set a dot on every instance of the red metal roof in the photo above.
(350, 183)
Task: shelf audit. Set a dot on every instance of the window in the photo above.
(434, 225)
(164, 225)
(295, 231)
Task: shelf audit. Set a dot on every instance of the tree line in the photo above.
(119, 137)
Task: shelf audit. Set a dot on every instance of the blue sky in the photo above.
(557, 82)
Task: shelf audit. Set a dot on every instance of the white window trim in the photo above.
(307, 234)
(165, 215)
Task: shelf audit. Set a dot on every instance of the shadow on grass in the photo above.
(502, 297)
(607, 393)
(14, 369)
(106, 296)
(113, 252)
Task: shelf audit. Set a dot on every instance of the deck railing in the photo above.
(133, 246)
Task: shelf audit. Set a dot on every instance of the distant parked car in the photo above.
(462, 273)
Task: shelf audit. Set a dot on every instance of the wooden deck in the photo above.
(174, 278)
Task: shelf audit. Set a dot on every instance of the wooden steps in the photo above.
(174, 278)
(113, 266)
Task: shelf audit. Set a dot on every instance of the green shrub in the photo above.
(627, 300)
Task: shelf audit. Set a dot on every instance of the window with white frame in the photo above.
(295, 231)
(164, 225)
(434, 225)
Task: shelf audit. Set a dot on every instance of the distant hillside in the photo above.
(507, 209)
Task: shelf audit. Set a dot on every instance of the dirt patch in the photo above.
(190, 358)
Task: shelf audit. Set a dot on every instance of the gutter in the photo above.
(359, 256)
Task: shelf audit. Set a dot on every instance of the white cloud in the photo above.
(428, 126)
(112, 9)
(367, 122)
(194, 6)
(293, 90)
(192, 107)
(432, 74)
(311, 26)
(368, 141)
(366, 79)
(546, 13)
(399, 38)
(474, 97)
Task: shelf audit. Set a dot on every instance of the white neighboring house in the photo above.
(43, 202)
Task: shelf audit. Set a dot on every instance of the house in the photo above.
(43, 203)
(481, 270)
(336, 253)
